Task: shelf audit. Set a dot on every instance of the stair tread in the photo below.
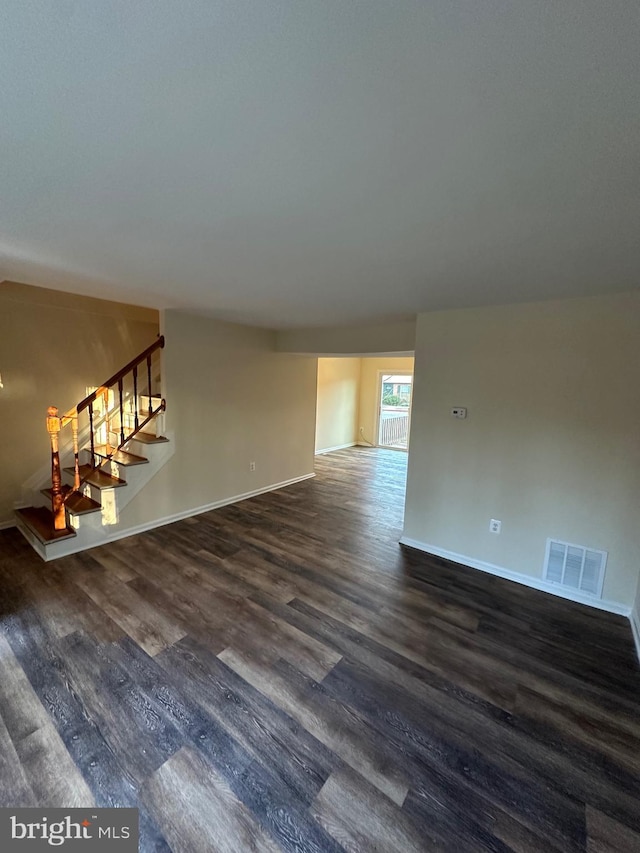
(122, 457)
(39, 519)
(149, 438)
(99, 479)
(76, 502)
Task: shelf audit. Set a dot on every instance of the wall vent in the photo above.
(575, 567)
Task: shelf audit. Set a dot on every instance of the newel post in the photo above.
(57, 500)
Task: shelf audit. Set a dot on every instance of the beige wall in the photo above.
(52, 346)
(231, 399)
(551, 445)
(368, 408)
(635, 618)
(392, 338)
(337, 402)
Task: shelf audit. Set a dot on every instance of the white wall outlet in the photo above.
(495, 526)
(252, 466)
(458, 412)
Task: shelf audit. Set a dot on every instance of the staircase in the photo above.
(123, 447)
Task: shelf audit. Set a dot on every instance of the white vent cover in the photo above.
(575, 567)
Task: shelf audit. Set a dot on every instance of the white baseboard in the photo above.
(71, 546)
(518, 577)
(188, 513)
(335, 447)
(635, 628)
(5, 525)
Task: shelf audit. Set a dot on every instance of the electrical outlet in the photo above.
(495, 526)
(252, 466)
(459, 412)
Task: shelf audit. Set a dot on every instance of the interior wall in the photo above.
(231, 400)
(635, 619)
(52, 346)
(391, 338)
(368, 407)
(337, 403)
(550, 445)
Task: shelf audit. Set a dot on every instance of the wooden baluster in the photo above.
(121, 412)
(107, 423)
(91, 436)
(149, 383)
(57, 500)
(135, 397)
(76, 453)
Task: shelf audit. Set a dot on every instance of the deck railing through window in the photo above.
(394, 429)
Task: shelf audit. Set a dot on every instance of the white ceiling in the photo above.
(310, 162)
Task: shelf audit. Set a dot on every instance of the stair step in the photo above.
(122, 457)
(76, 502)
(149, 438)
(99, 479)
(39, 519)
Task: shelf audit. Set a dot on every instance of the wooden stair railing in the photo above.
(55, 423)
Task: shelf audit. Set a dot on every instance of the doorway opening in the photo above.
(350, 403)
(395, 393)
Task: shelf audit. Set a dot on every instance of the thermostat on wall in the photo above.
(459, 412)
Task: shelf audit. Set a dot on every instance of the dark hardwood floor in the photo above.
(281, 675)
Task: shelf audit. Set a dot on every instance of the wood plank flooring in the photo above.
(281, 675)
